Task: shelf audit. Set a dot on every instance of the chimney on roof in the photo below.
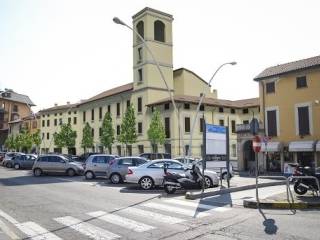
(68, 103)
(56, 104)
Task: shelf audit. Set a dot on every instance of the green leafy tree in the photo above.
(66, 137)
(26, 140)
(107, 135)
(36, 138)
(156, 132)
(87, 138)
(10, 143)
(18, 142)
(128, 134)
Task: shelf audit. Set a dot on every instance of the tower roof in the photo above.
(147, 9)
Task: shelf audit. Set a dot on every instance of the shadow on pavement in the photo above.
(269, 224)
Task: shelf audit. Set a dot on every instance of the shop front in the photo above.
(272, 156)
(303, 153)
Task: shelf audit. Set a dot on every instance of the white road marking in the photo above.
(8, 217)
(153, 215)
(4, 228)
(178, 210)
(197, 205)
(87, 229)
(121, 221)
(36, 232)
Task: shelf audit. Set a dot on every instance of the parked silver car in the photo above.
(96, 165)
(25, 161)
(151, 173)
(54, 163)
(7, 161)
(118, 168)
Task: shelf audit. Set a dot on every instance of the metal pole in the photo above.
(257, 175)
(204, 151)
(228, 155)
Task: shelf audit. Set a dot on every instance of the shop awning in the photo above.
(271, 147)
(318, 146)
(301, 146)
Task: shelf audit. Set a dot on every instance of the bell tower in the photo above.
(156, 29)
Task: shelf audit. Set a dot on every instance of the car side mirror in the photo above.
(62, 161)
(185, 168)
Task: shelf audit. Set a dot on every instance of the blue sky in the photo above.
(67, 50)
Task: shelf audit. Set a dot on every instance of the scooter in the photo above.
(192, 179)
(301, 186)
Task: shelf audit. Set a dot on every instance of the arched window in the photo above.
(140, 30)
(159, 28)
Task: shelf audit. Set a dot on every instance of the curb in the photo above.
(280, 205)
(196, 195)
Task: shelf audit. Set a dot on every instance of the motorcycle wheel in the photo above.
(169, 189)
(300, 190)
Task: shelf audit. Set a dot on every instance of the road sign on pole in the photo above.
(256, 144)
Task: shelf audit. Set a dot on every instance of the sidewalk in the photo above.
(237, 183)
(279, 201)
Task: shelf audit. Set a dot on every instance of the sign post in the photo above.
(256, 145)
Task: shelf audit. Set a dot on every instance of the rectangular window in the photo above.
(69, 120)
(140, 76)
(42, 136)
(221, 109)
(272, 123)
(128, 103)
(167, 127)
(48, 136)
(139, 54)
(74, 120)
(245, 111)
(43, 123)
(270, 87)
(92, 114)
(119, 150)
(100, 132)
(139, 104)
(109, 108)
(245, 121)
(187, 124)
(233, 111)
(234, 150)
(118, 109)
(141, 149)
(201, 124)
(303, 118)
(55, 122)
(140, 128)
(60, 121)
(15, 108)
(202, 107)
(69, 112)
(48, 123)
(221, 122)
(186, 106)
(118, 130)
(92, 132)
(100, 113)
(233, 126)
(167, 106)
(301, 82)
(84, 116)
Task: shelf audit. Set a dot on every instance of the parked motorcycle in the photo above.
(192, 179)
(301, 186)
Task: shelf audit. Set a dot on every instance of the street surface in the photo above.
(61, 207)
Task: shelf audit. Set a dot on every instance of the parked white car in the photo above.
(151, 174)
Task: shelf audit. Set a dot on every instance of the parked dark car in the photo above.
(152, 156)
(83, 157)
(118, 168)
(24, 161)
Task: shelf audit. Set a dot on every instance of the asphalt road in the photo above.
(61, 207)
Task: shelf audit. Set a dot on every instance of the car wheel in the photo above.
(71, 172)
(16, 166)
(8, 165)
(146, 183)
(208, 181)
(115, 178)
(89, 175)
(37, 172)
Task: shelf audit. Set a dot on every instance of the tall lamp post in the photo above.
(118, 21)
(200, 102)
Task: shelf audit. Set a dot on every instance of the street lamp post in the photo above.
(202, 96)
(118, 21)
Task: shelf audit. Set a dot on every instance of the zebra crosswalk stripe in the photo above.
(121, 221)
(197, 205)
(182, 211)
(36, 232)
(86, 229)
(153, 215)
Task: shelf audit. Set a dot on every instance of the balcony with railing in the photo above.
(245, 128)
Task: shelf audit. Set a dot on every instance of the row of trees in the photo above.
(128, 134)
(24, 141)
